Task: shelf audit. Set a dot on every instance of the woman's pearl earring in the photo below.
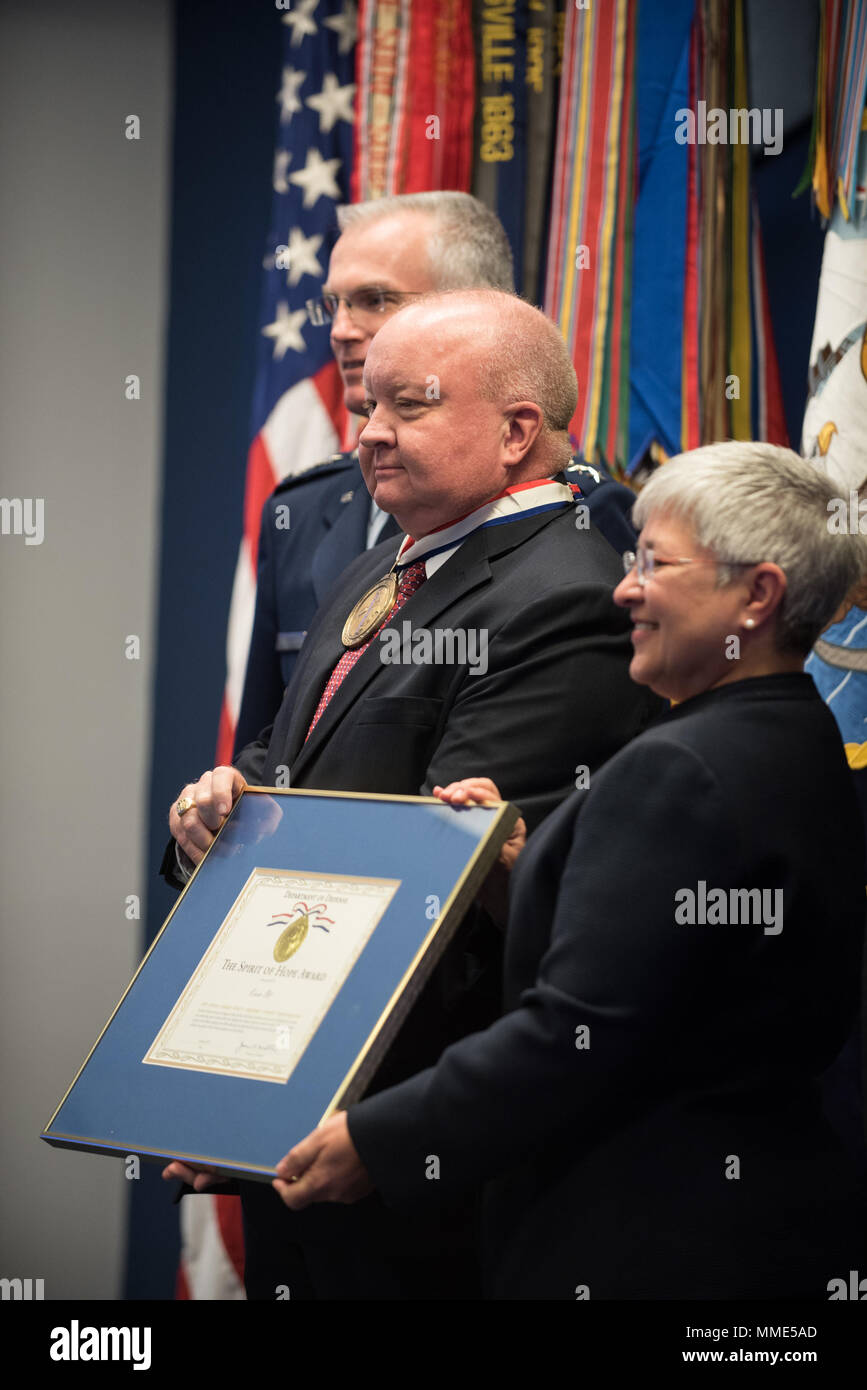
(750, 622)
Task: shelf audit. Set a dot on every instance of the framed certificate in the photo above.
(280, 977)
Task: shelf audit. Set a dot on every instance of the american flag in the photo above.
(298, 419)
(298, 416)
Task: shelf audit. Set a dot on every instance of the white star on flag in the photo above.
(302, 256)
(317, 177)
(288, 93)
(286, 331)
(334, 103)
(346, 25)
(300, 20)
(282, 160)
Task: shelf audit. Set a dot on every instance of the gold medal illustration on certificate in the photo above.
(291, 938)
(270, 973)
(369, 611)
(295, 926)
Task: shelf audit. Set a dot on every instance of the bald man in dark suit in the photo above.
(494, 553)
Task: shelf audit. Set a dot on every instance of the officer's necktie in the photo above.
(413, 576)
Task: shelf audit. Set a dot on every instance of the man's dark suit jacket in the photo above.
(674, 1149)
(556, 696)
(329, 510)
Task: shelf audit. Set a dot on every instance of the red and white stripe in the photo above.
(212, 1249)
(308, 423)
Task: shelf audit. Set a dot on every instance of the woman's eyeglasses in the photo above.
(646, 562)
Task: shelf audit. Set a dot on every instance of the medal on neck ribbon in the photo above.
(370, 610)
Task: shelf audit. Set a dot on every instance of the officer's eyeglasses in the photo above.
(364, 304)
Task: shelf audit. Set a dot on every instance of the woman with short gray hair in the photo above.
(745, 499)
(680, 967)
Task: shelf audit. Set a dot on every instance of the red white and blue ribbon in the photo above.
(524, 499)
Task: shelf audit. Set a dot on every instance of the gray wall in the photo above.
(83, 219)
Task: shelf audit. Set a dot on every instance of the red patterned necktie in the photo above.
(412, 578)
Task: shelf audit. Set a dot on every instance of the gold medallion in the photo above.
(291, 938)
(369, 611)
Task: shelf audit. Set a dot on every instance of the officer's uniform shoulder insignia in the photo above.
(586, 470)
(331, 467)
